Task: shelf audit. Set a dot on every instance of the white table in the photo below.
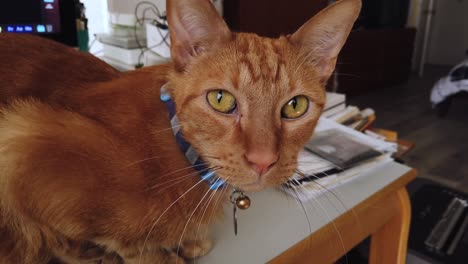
(275, 222)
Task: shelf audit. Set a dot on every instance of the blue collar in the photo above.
(192, 156)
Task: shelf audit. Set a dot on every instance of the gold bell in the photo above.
(243, 202)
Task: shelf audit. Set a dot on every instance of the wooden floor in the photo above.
(441, 151)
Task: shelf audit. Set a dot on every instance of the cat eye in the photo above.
(222, 101)
(295, 108)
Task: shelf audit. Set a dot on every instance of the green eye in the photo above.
(295, 108)
(221, 101)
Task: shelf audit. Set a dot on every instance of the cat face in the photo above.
(238, 112)
(248, 104)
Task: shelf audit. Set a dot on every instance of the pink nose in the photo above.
(261, 161)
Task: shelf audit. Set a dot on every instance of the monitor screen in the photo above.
(30, 16)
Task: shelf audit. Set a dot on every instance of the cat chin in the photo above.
(254, 187)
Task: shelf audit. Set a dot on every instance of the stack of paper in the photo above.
(354, 117)
(335, 104)
(317, 185)
(319, 173)
(379, 145)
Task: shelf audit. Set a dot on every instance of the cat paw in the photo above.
(163, 256)
(195, 249)
(112, 258)
(173, 258)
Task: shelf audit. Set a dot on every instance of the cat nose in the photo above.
(261, 161)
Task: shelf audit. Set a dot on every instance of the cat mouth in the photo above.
(259, 184)
(255, 186)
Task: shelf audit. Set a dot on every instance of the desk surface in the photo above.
(276, 222)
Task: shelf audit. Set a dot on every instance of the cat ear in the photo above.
(322, 37)
(195, 27)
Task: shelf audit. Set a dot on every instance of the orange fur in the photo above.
(87, 156)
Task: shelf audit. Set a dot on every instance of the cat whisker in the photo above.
(185, 168)
(336, 197)
(324, 188)
(310, 161)
(162, 214)
(166, 129)
(143, 160)
(330, 220)
(321, 186)
(301, 205)
(317, 160)
(167, 185)
(347, 74)
(206, 208)
(320, 162)
(303, 209)
(180, 181)
(204, 211)
(191, 215)
(324, 166)
(223, 192)
(157, 157)
(181, 177)
(200, 219)
(211, 157)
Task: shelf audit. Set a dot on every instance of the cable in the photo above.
(95, 38)
(164, 37)
(159, 21)
(157, 13)
(142, 53)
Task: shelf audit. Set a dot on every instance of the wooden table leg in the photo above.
(389, 243)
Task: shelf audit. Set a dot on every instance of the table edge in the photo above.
(394, 186)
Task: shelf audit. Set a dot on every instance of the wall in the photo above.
(417, 19)
(99, 16)
(128, 6)
(449, 35)
(122, 11)
(96, 12)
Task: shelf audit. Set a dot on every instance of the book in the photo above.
(307, 188)
(334, 99)
(311, 164)
(126, 56)
(349, 113)
(379, 145)
(340, 149)
(389, 135)
(369, 120)
(334, 110)
(317, 175)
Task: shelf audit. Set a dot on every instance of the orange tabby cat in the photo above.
(90, 168)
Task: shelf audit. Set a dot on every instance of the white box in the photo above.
(127, 56)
